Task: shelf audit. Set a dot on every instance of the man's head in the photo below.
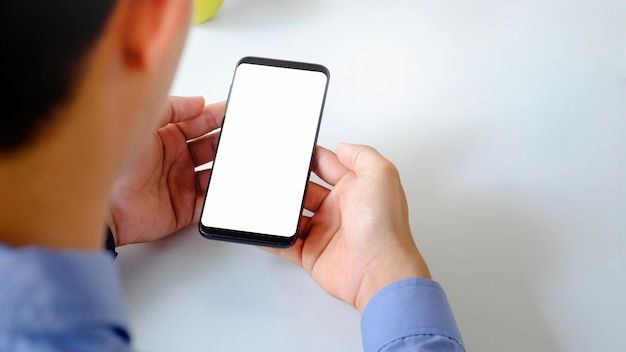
(85, 85)
(67, 54)
(45, 46)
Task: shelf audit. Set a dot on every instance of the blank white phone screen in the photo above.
(267, 139)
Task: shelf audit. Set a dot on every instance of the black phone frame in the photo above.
(260, 239)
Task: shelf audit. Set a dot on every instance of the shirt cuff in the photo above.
(409, 307)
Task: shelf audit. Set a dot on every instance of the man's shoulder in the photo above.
(65, 297)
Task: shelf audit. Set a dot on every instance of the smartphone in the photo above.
(264, 153)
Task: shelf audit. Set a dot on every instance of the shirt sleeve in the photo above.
(60, 301)
(410, 315)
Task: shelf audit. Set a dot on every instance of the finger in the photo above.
(292, 254)
(362, 159)
(202, 149)
(303, 228)
(209, 119)
(181, 109)
(327, 166)
(198, 209)
(202, 182)
(315, 195)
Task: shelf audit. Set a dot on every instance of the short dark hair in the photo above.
(45, 45)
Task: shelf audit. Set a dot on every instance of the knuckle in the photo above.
(387, 168)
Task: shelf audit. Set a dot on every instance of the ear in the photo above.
(151, 27)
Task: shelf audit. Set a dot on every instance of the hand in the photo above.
(161, 192)
(358, 240)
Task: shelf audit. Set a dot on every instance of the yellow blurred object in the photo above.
(205, 9)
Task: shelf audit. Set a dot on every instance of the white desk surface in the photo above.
(507, 121)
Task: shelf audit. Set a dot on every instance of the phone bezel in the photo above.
(254, 238)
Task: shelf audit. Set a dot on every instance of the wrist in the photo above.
(386, 272)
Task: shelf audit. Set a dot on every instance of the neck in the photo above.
(54, 194)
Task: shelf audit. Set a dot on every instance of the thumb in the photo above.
(181, 109)
(362, 159)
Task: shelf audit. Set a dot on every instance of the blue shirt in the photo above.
(410, 315)
(72, 301)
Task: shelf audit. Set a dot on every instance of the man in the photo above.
(89, 137)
